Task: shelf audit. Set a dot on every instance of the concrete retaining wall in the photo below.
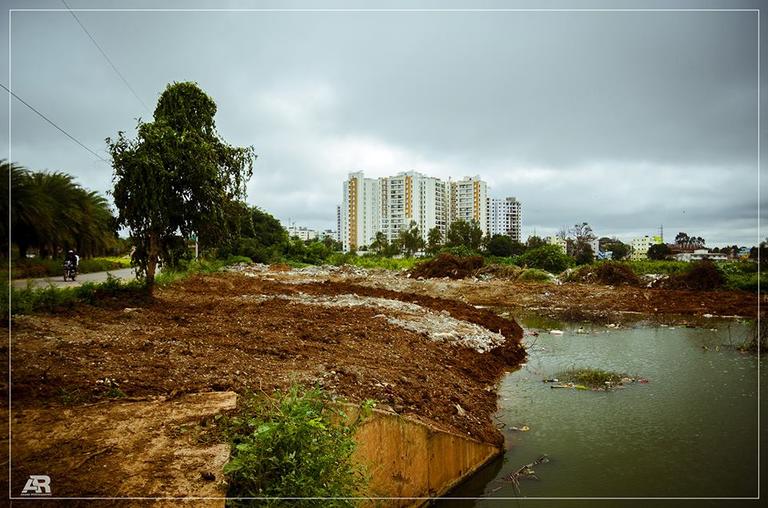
(408, 458)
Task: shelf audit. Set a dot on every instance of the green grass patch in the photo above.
(296, 443)
(372, 261)
(534, 275)
(647, 266)
(31, 300)
(592, 378)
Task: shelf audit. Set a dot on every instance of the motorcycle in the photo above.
(69, 270)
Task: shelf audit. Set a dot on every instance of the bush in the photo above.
(701, 275)
(612, 273)
(547, 257)
(295, 444)
(534, 275)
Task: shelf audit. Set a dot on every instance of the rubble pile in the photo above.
(438, 326)
(448, 265)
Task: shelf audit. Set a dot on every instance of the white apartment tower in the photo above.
(360, 211)
(413, 197)
(389, 205)
(469, 201)
(504, 217)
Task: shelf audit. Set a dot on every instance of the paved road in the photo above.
(123, 273)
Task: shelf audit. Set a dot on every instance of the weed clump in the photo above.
(293, 444)
(534, 275)
(610, 273)
(592, 378)
(701, 276)
(448, 265)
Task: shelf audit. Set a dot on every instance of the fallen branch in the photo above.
(92, 455)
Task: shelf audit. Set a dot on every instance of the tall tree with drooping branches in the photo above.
(177, 176)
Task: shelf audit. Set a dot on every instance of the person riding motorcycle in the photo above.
(70, 265)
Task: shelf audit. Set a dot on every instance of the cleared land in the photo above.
(420, 347)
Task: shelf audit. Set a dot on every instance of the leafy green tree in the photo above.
(547, 257)
(434, 241)
(462, 233)
(659, 251)
(584, 254)
(380, 243)
(178, 175)
(619, 249)
(501, 245)
(411, 240)
(534, 242)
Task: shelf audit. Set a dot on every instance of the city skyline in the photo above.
(624, 120)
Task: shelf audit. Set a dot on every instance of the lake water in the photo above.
(692, 431)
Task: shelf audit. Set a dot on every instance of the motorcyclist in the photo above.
(70, 261)
(71, 257)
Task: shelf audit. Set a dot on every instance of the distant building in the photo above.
(390, 204)
(641, 245)
(469, 201)
(301, 233)
(338, 223)
(504, 217)
(560, 242)
(701, 254)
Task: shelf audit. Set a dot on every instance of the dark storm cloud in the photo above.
(626, 120)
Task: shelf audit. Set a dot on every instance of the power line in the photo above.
(70, 136)
(104, 54)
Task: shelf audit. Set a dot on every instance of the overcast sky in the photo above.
(626, 120)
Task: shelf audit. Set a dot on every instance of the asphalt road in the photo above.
(123, 273)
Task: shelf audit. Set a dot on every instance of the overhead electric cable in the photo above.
(104, 54)
(70, 136)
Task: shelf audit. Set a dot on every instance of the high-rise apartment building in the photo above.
(504, 217)
(468, 201)
(360, 211)
(390, 204)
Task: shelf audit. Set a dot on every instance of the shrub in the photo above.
(547, 257)
(701, 275)
(294, 444)
(612, 273)
(534, 275)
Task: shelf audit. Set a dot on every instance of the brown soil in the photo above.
(122, 448)
(578, 301)
(448, 265)
(215, 333)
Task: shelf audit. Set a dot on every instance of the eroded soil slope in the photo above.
(233, 332)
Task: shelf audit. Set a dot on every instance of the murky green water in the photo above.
(690, 432)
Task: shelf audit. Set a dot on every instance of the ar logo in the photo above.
(37, 485)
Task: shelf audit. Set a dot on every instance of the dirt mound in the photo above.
(280, 267)
(702, 276)
(608, 273)
(508, 272)
(448, 265)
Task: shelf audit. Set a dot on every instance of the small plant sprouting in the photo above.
(297, 443)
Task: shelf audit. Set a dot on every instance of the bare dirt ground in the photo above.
(569, 301)
(437, 360)
(419, 347)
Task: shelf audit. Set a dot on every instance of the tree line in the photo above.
(50, 213)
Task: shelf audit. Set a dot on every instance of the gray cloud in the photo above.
(626, 120)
